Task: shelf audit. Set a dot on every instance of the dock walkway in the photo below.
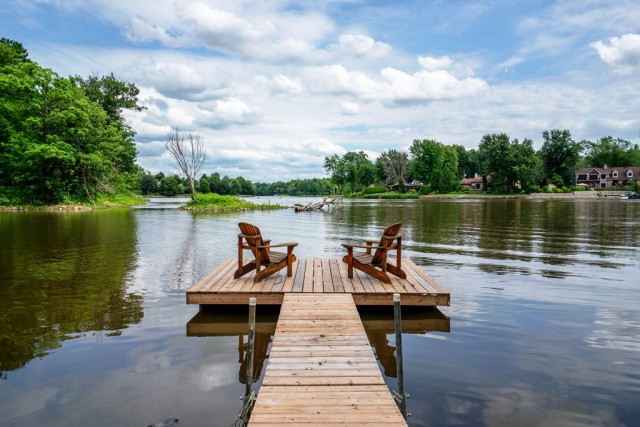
(321, 368)
(317, 275)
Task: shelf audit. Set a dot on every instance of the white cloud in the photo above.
(216, 28)
(363, 46)
(281, 84)
(140, 30)
(424, 86)
(336, 79)
(622, 53)
(433, 64)
(350, 108)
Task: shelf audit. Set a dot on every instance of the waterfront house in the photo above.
(606, 177)
(474, 183)
(413, 185)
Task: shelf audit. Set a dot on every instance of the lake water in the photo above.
(543, 328)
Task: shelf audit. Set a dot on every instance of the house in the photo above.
(413, 185)
(606, 177)
(474, 183)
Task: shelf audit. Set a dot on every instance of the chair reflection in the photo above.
(224, 321)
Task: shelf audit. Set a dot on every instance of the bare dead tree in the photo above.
(189, 153)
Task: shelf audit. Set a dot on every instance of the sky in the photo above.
(275, 86)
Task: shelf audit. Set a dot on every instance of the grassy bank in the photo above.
(102, 201)
(216, 202)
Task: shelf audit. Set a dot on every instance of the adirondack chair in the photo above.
(376, 265)
(266, 262)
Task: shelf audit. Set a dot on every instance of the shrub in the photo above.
(374, 190)
(394, 195)
(425, 189)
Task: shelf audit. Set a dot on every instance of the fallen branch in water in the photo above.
(319, 206)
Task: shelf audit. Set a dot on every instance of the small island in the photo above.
(216, 202)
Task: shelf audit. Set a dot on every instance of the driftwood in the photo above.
(326, 202)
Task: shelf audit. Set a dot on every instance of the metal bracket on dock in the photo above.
(249, 398)
(400, 396)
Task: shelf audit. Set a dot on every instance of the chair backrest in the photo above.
(387, 239)
(253, 237)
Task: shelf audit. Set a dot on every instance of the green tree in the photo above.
(468, 164)
(434, 164)
(354, 169)
(559, 154)
(113, 95)
(610, 151)
(171, 186)
(426, 162)
(215, 184)
(203, 185)
(148, 184)
(496, 162)
(56, 144)
(448, 177)
(526, 165)
(510, 164)
(336, 169)
(12, 52)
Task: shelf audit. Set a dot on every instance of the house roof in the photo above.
(622, 170)
(469, 181)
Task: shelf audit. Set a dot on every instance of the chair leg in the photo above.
(289, 261)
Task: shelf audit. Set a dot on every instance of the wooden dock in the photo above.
(321, 369)
(317, 275)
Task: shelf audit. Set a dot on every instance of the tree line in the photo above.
(62, 139)
(507, 165)
(173, 185)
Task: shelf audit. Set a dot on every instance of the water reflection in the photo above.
(224, 321)
(515, 236)
(62, 276)
(544, 311)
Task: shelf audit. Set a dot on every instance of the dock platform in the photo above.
(319, 276)
(321, 368)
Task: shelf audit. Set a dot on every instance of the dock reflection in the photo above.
(379, 326)
(225, 321)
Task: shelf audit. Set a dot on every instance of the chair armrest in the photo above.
(372, 240)
(352, 245)
(390, 248)
(279, 245)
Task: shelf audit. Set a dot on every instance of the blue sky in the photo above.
(274, 86)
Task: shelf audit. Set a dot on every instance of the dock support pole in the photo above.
(250, 345)
(397, 317)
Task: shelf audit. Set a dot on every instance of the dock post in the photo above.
(250, 345)
(401, 397)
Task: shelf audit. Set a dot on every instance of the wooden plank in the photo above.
(210, 277)
(366, 280)
(328, 286)
(336, 279)
(318, 276)
(299, 278)
(308, 277)
(321, 369)
(221, 277)
(432, 282)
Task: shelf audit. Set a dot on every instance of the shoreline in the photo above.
(575, 195)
